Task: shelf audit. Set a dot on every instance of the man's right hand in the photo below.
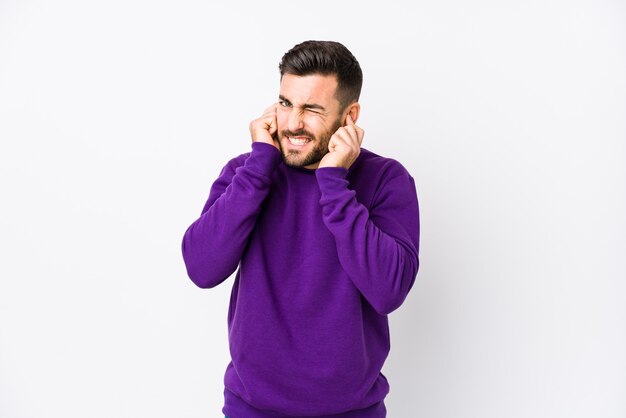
(264, 128)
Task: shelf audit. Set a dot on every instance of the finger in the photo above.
(359, 131)
(272, 125)
(349, 136)
(344, 137)
(332, 144)
(265, 120)
(351, 129)
(360, 134)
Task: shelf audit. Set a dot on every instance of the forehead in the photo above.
(312, 88)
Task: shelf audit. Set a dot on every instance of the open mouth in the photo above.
(298, 141)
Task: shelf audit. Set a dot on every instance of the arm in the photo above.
(378, 249)
(213, 245)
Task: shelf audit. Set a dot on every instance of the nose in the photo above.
(295, 122)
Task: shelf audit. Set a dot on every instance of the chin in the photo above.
(300, 158)
(295, 162)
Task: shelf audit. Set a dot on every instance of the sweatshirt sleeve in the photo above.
(212, 246)
(378, 248)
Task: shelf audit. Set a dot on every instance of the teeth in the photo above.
(298, 141)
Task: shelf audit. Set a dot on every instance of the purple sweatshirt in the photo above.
(322, 256)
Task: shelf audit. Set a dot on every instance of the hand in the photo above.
(344, 146)
(264, 128)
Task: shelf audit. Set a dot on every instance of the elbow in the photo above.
(199, 271)
(199, 278)
(386, 305)
(204, 278)
(386, 302)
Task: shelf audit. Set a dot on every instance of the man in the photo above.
(324, 236)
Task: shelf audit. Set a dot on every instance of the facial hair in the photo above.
(295, 158)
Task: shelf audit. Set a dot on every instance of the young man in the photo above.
(324, 236)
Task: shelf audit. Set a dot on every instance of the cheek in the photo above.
(315, 125)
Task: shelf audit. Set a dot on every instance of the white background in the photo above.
(116, 117)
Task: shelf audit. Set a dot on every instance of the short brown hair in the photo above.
(326, 58)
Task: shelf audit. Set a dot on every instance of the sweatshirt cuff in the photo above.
(264, 158)
(332, 179)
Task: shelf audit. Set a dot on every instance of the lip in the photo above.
(298, 137)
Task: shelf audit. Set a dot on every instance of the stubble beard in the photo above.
(296, 158)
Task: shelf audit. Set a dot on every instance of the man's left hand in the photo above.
(344, 146)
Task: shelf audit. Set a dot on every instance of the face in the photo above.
(308, 115)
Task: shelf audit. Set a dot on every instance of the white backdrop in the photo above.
(116, 117)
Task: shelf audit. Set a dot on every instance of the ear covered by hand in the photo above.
(265, 127)
(344, 146)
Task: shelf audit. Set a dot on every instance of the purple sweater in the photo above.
(322, 256)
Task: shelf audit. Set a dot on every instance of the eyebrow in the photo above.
(306, 105)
